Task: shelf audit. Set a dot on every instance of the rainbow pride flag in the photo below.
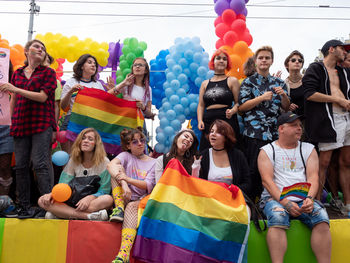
(299, 190)
(187, 219)
(106, 113)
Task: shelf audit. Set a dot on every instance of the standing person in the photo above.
(132, 177)
(88, 158)
(223, 162)
(85, 71)
(216, 97)
(33, 121)
(327, 106)
(281, 164)
(346, 62)
(183, 148)
(294, 63)
(261, 98)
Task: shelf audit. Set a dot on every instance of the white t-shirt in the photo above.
(71, 82)
(137, 93)
(218, 174)
(288, 165)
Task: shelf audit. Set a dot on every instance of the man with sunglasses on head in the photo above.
(261, 98)
(327, 106)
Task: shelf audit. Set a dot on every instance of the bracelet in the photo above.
(289, 205)
(310, 197)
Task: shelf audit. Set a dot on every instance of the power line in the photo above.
(180, 16)
(178, 4)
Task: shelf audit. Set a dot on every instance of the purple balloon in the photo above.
(221, 6)
(245, 12)
(237, 6)
(246, 1)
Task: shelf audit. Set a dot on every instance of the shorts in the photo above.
(6, 141)
(342, 127)
(282, 218)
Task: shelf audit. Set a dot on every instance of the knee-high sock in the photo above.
(118, 197)
(128, 237)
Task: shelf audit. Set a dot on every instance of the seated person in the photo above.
(183, 148)
(283, 163)
(88, 158)
(223, 162)
(132, 178)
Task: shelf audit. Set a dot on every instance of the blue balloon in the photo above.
(183, 62)
(184, 102)
(171, 139)
(176, 125)
(182, 78)
(159, 129)
(209, 74)
(168, 131)
(188, 55)
(198, 81)
(193, 107)
(170, 63)
(181, 118)
(166, 85)
(186, 87)
(166, 106)
(187, 112)
(187, 71)
(177, 69)
(202, 71)
(161, 114)
(163, 53)
(192, 97)
(197, 57)
(175, 84)
(60, 158)
(159, 148)
(179, 109)
(174, 99)
(171, 115)
(194, 67)
(160, 137)
(164, 123)
(181, 92)
(170, 76)
(169, 92)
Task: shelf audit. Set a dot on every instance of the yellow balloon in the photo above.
(105, 45)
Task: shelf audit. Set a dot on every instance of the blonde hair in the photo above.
(263, 48)
(99, 150)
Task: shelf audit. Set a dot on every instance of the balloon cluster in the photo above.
(132, 49)
(187, 68)
(59, 46)
(158, 77)
(236, 5)
(17, 56)
(231, 28)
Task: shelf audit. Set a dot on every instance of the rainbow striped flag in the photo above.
(299, 190)
(106, 113)
(188, 219)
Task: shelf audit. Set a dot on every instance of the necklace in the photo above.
(294, 81)
(218, 150)
(292, 160)
(219, 74)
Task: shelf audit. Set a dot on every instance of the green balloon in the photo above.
(126, 49)
(119, 79)
(329, 197)
(123, 64)
(133, 43)
(119, 73)
(138, 52)
(126, 41)
(122, 57)
(130, 57)
(143, 45)
(126, 72)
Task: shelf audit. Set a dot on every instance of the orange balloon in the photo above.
(61, 192)
(228, 49)
(236, 60)
(240, 47)
(4, 44)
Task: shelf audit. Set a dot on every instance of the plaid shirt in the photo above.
(29, 116)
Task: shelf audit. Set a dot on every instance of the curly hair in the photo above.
(99, 150)
(77, 68)
(189, 154)
(216, 53)
(127, 135)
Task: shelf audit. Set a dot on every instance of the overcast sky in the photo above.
(293, 30)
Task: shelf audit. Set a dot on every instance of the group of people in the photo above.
(271, 152)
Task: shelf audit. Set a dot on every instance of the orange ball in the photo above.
(61, 192)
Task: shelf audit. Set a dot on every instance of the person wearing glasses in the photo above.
(136, 87)
(294, 63)
(132, 178)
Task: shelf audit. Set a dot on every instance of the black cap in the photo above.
(287, 117)
(334, 43)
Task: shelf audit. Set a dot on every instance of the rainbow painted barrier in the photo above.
(60, 241)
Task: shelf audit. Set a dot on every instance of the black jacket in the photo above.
(319, 123)
(239, 166)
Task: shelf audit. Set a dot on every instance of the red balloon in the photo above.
(219, 43)
(230, 38)
(218, 20)
(241, 16)
(238, 26)
(61, 136)
(247, 37)
(228, 16)
(221, 29)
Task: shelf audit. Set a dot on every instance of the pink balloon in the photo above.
(218, 20)
(230, 38)
(247, 37)
(238, 26)
(219, 43)
(221, 29)
(228, 16)
(61, 136)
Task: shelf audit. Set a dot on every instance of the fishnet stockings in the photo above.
(130, 215)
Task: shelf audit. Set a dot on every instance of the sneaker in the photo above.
(119, 260)
(117, 215)
(98, 216)
(26, 213)
(40, 214)
(50, 215)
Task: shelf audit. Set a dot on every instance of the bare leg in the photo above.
(324, 159)
(321, 242)
(344, 172)
(277, 242)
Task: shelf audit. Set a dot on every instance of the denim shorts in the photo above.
(281, 218)
(6, 141)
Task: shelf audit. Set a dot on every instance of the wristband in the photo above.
(310, 197)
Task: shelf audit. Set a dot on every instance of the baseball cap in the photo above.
(287, 117)
(334, 43)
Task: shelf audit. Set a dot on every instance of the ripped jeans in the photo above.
(277, 216)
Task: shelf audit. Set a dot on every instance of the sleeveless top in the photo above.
(218, 92)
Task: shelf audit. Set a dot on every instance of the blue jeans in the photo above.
(277, 216)
(36, 148)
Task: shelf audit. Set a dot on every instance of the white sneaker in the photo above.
(98, 216)
(50, 215)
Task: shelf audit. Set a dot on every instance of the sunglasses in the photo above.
(139, 65)
(299, 60)
(136, 142)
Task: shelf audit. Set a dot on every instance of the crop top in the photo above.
(218, 92)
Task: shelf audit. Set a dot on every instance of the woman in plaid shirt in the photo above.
(33, 121)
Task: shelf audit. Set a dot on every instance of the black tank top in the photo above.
(218, 92)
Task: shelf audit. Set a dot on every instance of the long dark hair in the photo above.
(145, 80)
(78, 72)
(189, 154)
